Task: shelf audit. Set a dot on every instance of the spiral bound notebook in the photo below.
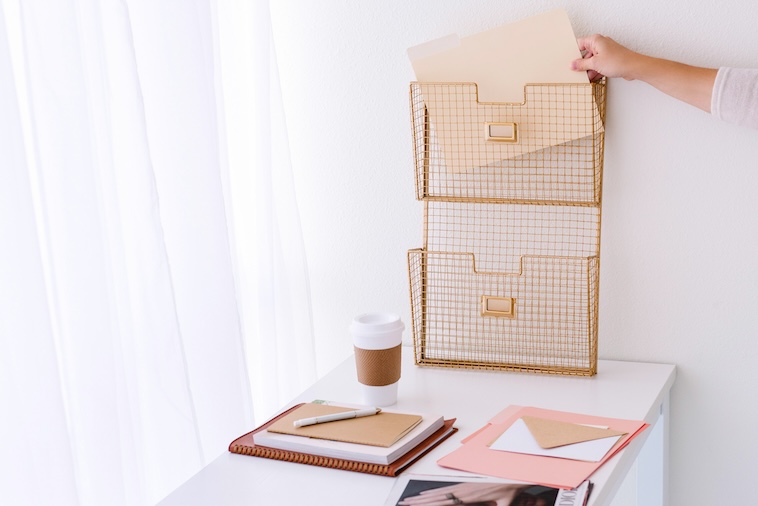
(245, 445)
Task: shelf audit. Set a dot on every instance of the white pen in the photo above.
(337, 416)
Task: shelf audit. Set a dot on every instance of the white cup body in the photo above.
(379, 396)
(378, 331)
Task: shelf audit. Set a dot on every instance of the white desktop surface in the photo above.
(628, 390)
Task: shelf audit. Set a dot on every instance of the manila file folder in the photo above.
(383, 429)
(503, 64)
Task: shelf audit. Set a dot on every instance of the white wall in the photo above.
(679, 281)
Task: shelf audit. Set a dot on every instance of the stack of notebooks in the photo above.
(384, 444)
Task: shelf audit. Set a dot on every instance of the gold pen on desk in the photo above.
(346, 415)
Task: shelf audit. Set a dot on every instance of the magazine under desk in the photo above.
(629, 390)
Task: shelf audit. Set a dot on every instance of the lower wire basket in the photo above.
(542, 317)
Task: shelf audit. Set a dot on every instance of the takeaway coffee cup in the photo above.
(377, 341)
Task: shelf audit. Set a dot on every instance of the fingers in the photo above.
(590, 47)
(594, 76)
(592, 42)
(585, 43)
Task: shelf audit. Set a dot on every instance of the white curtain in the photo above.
(150, 254)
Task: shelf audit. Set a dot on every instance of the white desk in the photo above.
(620, 390)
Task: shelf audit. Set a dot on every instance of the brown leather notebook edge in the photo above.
(423, 447)
(244, 445)
(247, 439)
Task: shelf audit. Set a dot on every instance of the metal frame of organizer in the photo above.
(508, 274)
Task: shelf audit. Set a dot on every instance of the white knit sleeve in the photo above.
(735, 96)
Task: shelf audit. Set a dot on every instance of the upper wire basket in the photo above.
(548, 149)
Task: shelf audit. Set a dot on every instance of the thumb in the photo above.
(582, 64)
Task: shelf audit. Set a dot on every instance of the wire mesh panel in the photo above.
(548, 325)
(507, 277)
(547, 149)
(498, 235)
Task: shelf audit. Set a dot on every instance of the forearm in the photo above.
(693, 85)
(604, 56)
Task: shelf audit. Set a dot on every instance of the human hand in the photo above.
(603, 56)
(495, 494)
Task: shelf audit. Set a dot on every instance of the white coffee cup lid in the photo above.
(376, 323)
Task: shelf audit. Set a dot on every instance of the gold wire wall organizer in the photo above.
(507, 277)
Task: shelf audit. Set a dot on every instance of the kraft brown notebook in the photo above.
(384, 429)
(245, 445)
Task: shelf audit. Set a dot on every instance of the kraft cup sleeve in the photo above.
(378, 367)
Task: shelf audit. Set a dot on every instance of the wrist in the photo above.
(639, 67)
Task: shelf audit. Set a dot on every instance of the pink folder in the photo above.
(475, 456)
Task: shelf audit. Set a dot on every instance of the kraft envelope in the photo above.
(552, 433)
(384, 429)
